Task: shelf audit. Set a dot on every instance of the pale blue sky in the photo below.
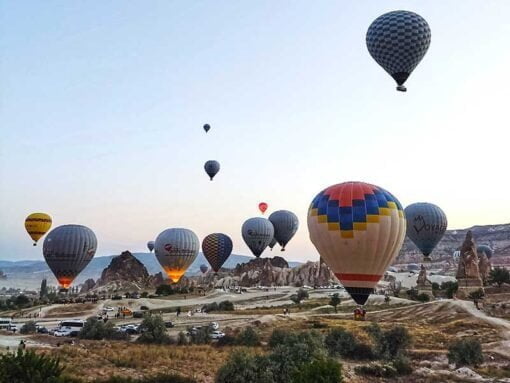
(103, 102)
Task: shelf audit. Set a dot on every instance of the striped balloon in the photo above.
(257, 233)
(37, 224)
(358, 230)
(285, 225)
(175, 250)
(217, 247)
(68, 249)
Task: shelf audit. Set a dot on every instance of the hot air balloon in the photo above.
(358, 230)
(207, 127)
(217, 247)
(285, 225)
(175, 250)
(272, 243)
(257, 233)
(212, 167)
(203, 268)
(426, 224)
(37, 224)
(398, 41)
(262, 207)
(68, 249)
(150, 245)
(486, 249)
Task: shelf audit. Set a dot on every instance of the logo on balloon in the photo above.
(168, 247)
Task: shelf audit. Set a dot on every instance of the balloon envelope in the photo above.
(212, 168)
(207, 127)
(426, 225)
(203, 268)
(68, 249)
(358, 230)
(175, 250)
(257, 233)
(397, 41)
(285, 225)
(262, 207)
(37, 224)
(217, 247)
(485, 249)
(150, 245)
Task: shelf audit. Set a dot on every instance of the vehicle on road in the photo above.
(63, 331)
(108, 308)
(5, 323)
(41, 329)
(169, 324)
(216, 334)
(214, 325)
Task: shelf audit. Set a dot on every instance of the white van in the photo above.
(72, 325)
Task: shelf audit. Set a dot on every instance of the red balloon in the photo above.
(263, 207)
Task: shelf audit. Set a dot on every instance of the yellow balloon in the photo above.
(37, 224)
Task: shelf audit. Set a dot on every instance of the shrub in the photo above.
(201, 335)
(450, 288)
(477, 294)
(97, 330)
(27, 366)
(423, 297)
(144, 294)
(465, 352)
(390, 343)
(226, 306)
(413, 294)
(227, 340)
(279, 336)
(335, 300)
(242, 367)
(340, 342)
(402, 365)
(319, 371)
(154, 331)
(499, 275)
(377, 370)
(299, 296)
(164, 290)
(164, 378)
(210, 307)
(28, 328)
(248, 337)
(182, 339)
(435, 286)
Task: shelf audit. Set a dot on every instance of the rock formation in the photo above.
(484, 266)
(87, 285)
(468, 273)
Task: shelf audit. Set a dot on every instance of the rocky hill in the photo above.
(124, 273)
(496, 236)
(269, 272)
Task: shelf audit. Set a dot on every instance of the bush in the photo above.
(450, 288)
(210, 307)
(182, 339)
(27, 366)
(499, 275)
(154, 331)
(391, 343)
(279, 336)
(248, 337)
(335, 300)
(465, 352)
(28, 328)
(96, 329)
(477, 294)
(164, 290)
(201, 336)
(227, 340)
(435, 286)
(402, 365)
(319, 371)
(423, 297)
(144, 294)
(340, 342)
(242, 367)
(164, 378)
(299, 296)
(226, 306)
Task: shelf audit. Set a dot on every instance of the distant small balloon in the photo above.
(272, 243)
(150, 245)
(203, 268)
(262, 207)
(36, 225)
(485, 249)
(207, 127)
(397, 41)
(212, 168)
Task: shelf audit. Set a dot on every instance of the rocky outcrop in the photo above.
(126, 273)
(270, 272)
(87, 285)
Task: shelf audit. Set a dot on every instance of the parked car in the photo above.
(13, 327)
(108, 308)
(169, 324)
(194, 330)
(63, 331)
(42, 330)
(216, 334)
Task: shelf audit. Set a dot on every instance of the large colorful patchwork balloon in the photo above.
(358, 230)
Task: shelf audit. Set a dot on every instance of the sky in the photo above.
(102, 105)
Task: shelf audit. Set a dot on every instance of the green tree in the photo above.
(499, 275)
(423, 297)
(248, 337)
(44, 289)
(27, 366)
(325, 370)
(28, 328)
(153, 330)
(450, 288)
(243, 367)
(335, 300)
(392, 343)
(340, 342)
(465, 352)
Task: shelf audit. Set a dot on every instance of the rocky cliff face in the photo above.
(124, 273)
(496, 236)
(270, 272)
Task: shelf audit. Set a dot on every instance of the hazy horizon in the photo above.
(102, 107)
